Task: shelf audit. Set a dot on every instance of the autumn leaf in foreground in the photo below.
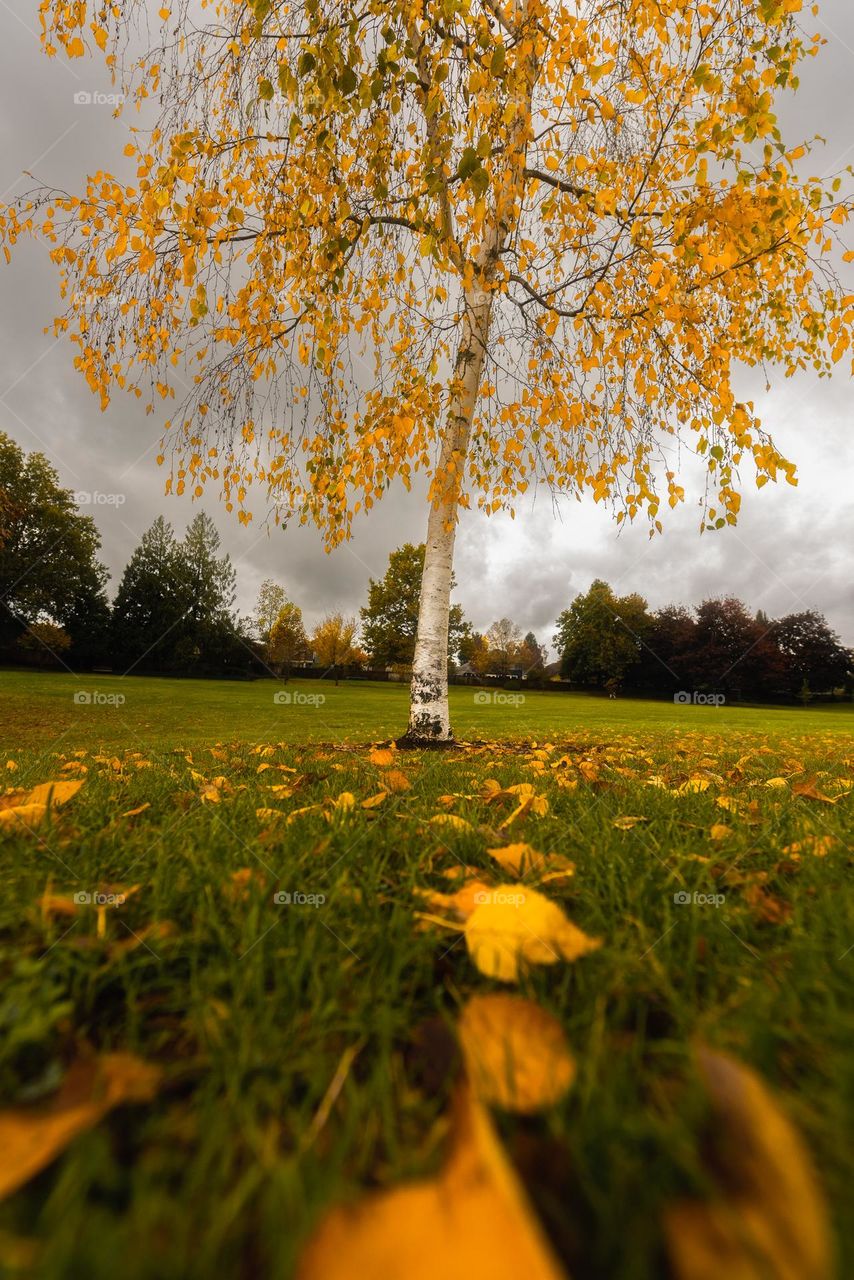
(517, 926)
(516, 1053)
(471, 1222)
(769, 1220)
(31, 1137)
(21, 810)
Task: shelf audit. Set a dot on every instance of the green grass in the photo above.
(39, 710)
(248, 1006)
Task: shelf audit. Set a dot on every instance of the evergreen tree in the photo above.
(151, 603)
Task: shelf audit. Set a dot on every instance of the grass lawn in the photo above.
(304, 1051)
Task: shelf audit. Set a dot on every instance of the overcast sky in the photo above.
(792, 549)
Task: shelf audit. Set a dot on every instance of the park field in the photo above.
(240, 941)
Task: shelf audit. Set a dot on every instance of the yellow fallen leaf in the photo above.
(54, 794)
(462, 903)
(472, 1220)
(768, 1220)
(626, 823)
(381, 757)
(394, 780)
(519, 926)
(374, 802)
(818, 846)
(132, 813)
(719, 831)
(521, 859)
(33, 1136)
(692, 785)
(777, 784)
(22, 817)
(451, 820)
(516, 1054)
(516, 858)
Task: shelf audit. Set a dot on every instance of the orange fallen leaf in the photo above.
(32, 1137)
(768, 1218)
(516, 1053)
(473, 1219)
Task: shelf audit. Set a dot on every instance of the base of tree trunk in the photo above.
(415, 742)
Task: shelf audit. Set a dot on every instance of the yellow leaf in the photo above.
(516, 1054)
(394, 780)
(719, 831)
(450, 820)
(519, 926)
(31, 1137)
(463, 902)
(472, 1220)
(381, 757)
(626, 823)
(54, 794)
(373, 802)
(131, 813)
(768, 1218)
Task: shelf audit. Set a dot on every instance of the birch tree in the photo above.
(488, 244)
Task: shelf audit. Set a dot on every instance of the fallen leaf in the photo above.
(32, 1137)
(626, 823)
(451, 820)
(381, 757)
(818, 846)
(768, 1221)
(719, 831)
(519, 926)
(462, 903)
(374, 802)
(808, 790)
(516, 1054)
(394, 780)
(472, 1220)
(132, 813)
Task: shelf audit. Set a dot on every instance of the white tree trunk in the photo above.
(429, 718)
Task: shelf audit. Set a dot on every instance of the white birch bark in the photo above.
(429, 718)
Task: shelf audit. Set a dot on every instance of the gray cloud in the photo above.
(791, 550)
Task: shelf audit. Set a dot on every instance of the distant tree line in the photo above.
(174, 613)
(615, 642)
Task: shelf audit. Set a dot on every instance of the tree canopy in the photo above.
(500, 242)
(390, 618)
